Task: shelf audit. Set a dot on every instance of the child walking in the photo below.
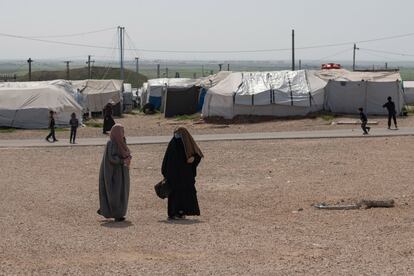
(74, 124)
(364, 121)
(52, 127)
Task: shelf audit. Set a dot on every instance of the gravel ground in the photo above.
(249, 195)
(141, 125)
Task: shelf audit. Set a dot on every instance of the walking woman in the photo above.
(114, 176)
(108, 120)
(179, 168)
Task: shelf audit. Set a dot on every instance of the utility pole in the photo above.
(158, 70)
(300, 64)
(220, 66)
(67, 69)
(293, 50)
(121, 49)
(353, 60)
(137, 70)
(89, 66)
(166, 72)
(228, 66)
(30, 60)
(386, 66)
(194, 75)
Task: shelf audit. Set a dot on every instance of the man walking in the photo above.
(390, 106)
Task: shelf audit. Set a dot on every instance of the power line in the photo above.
(71, 35)
(209, 51)
(388, 52)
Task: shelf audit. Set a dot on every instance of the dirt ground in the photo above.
(250, 194)
(153, 125)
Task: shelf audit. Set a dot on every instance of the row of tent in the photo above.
(27, 104)
(225, 94)
(278, 93)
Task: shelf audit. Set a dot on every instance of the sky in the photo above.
(215, 25)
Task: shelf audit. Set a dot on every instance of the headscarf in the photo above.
(117, 136)
(190, 147)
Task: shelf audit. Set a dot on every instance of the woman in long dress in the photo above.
(108, 122)
(114, 176)
(179, 168)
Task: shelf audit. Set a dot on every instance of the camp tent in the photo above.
(97, 93)
(27, 104)
(277, 93)
(206, 83)
(173, 96)
(346, 91)
(409, 92)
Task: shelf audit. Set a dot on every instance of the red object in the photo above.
(331, 66)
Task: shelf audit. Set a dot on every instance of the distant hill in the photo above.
(82, 73)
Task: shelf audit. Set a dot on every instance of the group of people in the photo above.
(392, 114)
(179, 169)
(74, 124)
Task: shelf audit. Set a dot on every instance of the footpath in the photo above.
(144, 140)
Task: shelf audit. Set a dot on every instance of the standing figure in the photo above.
(364, 121)
(108, 120)
(74, 124)
(114, 176)
(51, 127)
(179, 168)
(390, 106)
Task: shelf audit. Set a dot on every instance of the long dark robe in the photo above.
(113, 184)
(108, 122)
(181, 177)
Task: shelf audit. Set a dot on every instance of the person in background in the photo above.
(390, 106)
(74, 124)
(179, 168)
(51, 127)
(114, 176)
(108, 120)
(364, 121)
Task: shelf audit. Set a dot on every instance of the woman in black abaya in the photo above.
(179, 168)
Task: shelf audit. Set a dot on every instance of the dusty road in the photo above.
(249, 194)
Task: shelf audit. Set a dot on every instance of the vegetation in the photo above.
(83, 73)
(187, 117)
(7, 130)
(93, 123)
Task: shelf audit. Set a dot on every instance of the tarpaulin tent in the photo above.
(409, 92)
(347, 91)
(97, 93)
(206, 83)
(27, 104)
(277, 93)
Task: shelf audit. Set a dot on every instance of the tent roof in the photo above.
(172, 82)
(88, 87)
(345, 75)
(213, 80)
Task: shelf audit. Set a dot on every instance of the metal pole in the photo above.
(166, 72)
(89, 67)
(67, 69)
(158, 70)
(300, 64)
(121, 48)
(137, 70)
(353, 60)
(30, 60)
(293, 50)
(228, 66)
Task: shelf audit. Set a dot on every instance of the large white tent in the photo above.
(27, 104)
(97, 93)
(409, 92)
(347, 91)
(278, 93)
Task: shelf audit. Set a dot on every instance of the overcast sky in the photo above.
(215, 25)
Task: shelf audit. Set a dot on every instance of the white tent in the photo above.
(27, 104)
(409, 92)
(279, 93)
(97, 93)
(347, 91)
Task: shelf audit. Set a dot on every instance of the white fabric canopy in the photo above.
(97, 93)
(278, 93)
(27, 104)
(409, 92)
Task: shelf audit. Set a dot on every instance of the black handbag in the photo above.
(162, 189)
